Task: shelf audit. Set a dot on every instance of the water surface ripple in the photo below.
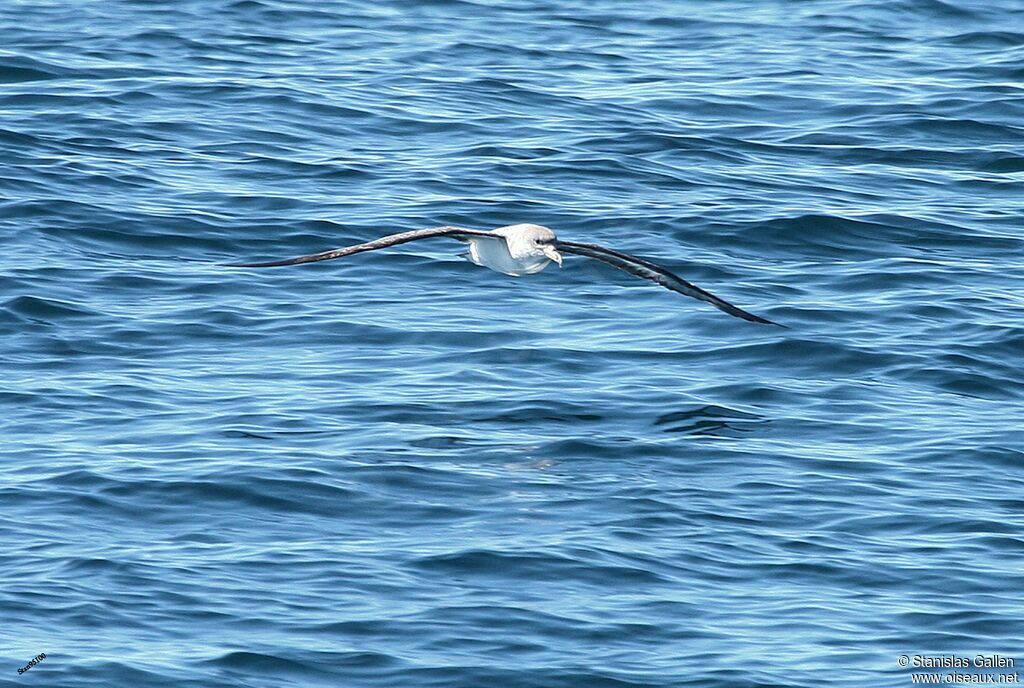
(404, 470)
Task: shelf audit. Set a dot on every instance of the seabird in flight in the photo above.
(523, 250)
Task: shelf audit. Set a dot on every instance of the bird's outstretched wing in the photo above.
(655, 273)
(384, 242)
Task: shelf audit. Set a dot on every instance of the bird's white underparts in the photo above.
(525, 249)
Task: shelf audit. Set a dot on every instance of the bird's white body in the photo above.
(513, 250)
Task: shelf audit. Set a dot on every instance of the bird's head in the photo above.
(532, 240)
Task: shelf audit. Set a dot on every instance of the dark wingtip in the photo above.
(745, 315)
(763, 321)
(766, 321)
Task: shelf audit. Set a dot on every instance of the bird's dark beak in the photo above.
(553, 254)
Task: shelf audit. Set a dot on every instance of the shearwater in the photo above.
(524, 249)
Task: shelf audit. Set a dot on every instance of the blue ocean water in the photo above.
(400, 469)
